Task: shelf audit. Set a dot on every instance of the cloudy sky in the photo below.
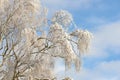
(102, 18)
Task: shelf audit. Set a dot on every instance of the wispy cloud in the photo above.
(106, 36)
(94, 20)
(103, 71)
(67, 3)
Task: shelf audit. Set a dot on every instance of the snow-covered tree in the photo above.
(30, 42)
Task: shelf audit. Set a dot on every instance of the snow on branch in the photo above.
(29, 49)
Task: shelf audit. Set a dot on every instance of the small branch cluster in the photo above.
(62, 17)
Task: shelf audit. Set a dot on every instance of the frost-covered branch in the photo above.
(29, 44)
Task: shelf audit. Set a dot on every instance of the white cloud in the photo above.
(59, 65)
(67, 3)
(109, 34)
(102, 71)
(96, 20)
(106, 37)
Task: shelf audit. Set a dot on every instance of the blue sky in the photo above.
(102, 18)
